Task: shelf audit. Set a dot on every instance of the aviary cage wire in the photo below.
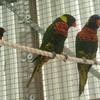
(58, 80)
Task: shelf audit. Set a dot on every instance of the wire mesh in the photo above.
(57, 80)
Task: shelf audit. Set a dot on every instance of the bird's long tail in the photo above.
(83, 74)
(40, 60)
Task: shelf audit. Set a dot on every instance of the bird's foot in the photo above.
(66, 57)
(54, 55)
(95, 61)
(84, 59)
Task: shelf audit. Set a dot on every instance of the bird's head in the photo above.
(71, 21)
(94, 20)
(2, 30)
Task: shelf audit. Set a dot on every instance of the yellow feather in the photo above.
(64, 18)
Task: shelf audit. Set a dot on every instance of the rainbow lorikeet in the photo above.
(86, 47)
(53, 39)
(2, 30)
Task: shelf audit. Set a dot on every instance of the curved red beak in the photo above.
(98, 22)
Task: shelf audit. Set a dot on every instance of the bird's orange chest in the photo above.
(88, 34)
(61, 28)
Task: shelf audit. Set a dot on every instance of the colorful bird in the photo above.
(86, 48)
(53, 40)
(2, 30)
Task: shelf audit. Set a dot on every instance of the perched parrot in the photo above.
(53, 39)
(2, 30)
(86, 47)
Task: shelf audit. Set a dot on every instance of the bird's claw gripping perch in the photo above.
(66, 57)
(95, 61)
(54, 55)
(84, 59)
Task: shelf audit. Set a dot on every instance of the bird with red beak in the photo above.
(86, 48)
(2, 30)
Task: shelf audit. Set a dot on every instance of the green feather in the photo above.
(64, 18)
